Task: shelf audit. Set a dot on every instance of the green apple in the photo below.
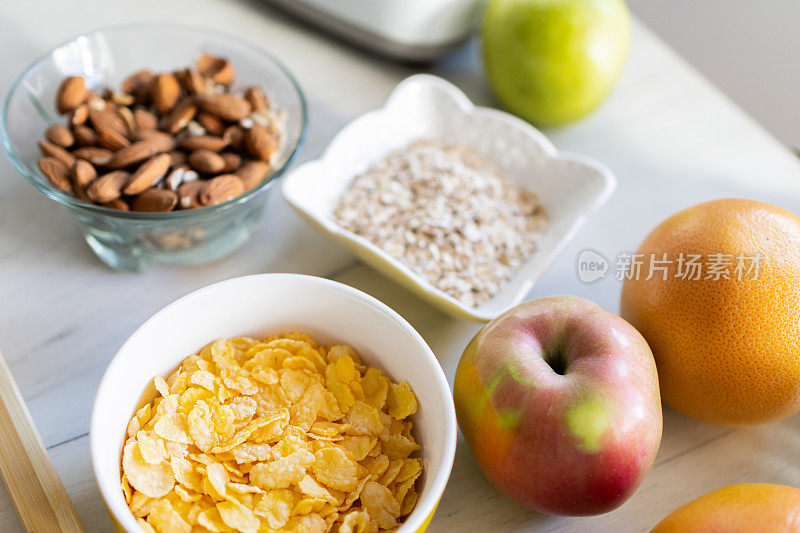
(552, 62)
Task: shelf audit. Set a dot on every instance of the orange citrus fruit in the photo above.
(739, 508)
(726, 335)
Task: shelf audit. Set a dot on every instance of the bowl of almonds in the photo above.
(162, 139)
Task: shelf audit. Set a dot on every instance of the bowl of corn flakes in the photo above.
(274, 402)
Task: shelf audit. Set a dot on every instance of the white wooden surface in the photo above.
(671, 139)
(744, 51)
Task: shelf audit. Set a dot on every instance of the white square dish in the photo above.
(571, 187)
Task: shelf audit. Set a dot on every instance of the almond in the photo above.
(127, 117)
(122, 99)
(56, 172)
(152, 139)
(134, 153)
(260, 143)
(111, 139)
(182, 75)
(192, 82)
(71, 94)
(226, 106)
(180, 116)
(148, 174)
(138, 82)
(160, 141)
(166, 91)
(252, 173)
(96, 156)
(82, 174)
(203, 142)
(79, 115)
(145, 120)
(118, 204)
(107, 187)
(60, 135)
(80, 194)
(106, 119)
(212, 124)
(206, 161)
(178, 158)
(52, 150)
(256, 97)
(217, 68)
(93, 101)
(221, 189)
(84, 135)
(195, 82)
(232, 162)
(189, 194)
(155, 200)
(235, 136)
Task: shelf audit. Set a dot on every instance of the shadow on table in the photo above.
(470, 503)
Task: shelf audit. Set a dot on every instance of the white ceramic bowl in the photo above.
(258, 306)
(571, 187)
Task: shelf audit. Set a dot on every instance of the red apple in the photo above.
(558, 400)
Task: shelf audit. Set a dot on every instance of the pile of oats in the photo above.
(446, 213)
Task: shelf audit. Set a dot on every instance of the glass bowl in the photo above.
(130, 240)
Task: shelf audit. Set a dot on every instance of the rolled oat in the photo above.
(447, 214)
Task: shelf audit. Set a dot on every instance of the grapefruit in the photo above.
(726, 340)
(738, 509)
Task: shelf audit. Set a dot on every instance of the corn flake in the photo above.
(281, 473)
(172, 428)
(164, 517)
(364, 420)
(401, 400)
(276, 507)
(380, 504)
(355, 522)
(357, 446)
(333, 468)
(152, 480)
(238, 517)
(151, 447)
(274, 435)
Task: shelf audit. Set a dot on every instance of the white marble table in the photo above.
(670, 137)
